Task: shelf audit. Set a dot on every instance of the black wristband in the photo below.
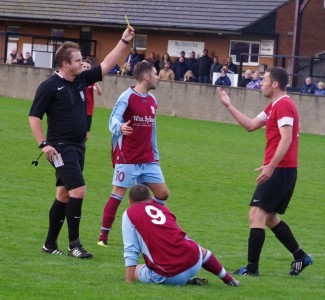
(43, 144)
(125, 41)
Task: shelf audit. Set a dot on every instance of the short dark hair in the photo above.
(139, 192)
(87, 60)
(280, 75)
(64, 52)
(141, 68)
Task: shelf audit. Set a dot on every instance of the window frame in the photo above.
(16, 30)
(250, 43)
(55, 41)
(135, 41)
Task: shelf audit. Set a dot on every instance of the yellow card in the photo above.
(127, 21)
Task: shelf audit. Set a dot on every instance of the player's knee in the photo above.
(117, 190)
(62, 194)
(164, 194)
(79, 192)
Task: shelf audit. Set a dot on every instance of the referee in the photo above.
(62, 98)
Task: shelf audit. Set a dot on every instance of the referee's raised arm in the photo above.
(113, 57)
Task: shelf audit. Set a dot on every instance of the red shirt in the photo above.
(90, 99)
(279, 113)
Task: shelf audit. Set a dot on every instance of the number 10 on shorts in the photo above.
(120, 176)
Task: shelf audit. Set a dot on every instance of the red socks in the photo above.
(109, 214)
(212, 265)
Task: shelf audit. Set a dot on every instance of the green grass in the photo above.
(209, 169)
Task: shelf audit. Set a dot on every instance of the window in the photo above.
(13, 29)
(238, 47)
(85, 44)
(57, 33)
(140, 42)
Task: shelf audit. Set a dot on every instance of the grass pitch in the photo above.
(209, 169)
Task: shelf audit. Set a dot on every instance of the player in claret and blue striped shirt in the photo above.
(170, 256)
(135, 154)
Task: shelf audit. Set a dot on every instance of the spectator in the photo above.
(246, 79)
(189, 77)
(126, 70)
(204, 65)
(166, 73)
(321, 89)
(170, 256)
(215, 67)
(308, 87)
(165, 58)
(133, 58)
(223, 79)
(255, 82)
(182, 54)
(180, 68)
(192, 65)
(115, 70)
(19, 59)
(13, 54)
(230, 65)
(28, 61)
(154, 61)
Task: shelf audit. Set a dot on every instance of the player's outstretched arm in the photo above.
(113, 57)
(129, 274)
(246, 122)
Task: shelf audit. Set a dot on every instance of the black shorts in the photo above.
(70, 174)
(89, 120)
(274, 195)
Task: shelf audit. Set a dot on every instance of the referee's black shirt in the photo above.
(65, 105)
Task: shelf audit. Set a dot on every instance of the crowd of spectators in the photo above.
(18, 58)
(196, 69)
(189, 69)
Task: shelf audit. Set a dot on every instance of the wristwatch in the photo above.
(43, 144)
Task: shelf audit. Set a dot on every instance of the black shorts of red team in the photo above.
(274, 195)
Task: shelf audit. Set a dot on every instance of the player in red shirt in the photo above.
(275, 184)
(95, 87)
(135, 153)
(170, 256)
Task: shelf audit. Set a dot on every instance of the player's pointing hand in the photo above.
(126, 129)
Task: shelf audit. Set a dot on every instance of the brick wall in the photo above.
(312, 30)
(284, 28)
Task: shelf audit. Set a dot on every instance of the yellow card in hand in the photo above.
(127, 21)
